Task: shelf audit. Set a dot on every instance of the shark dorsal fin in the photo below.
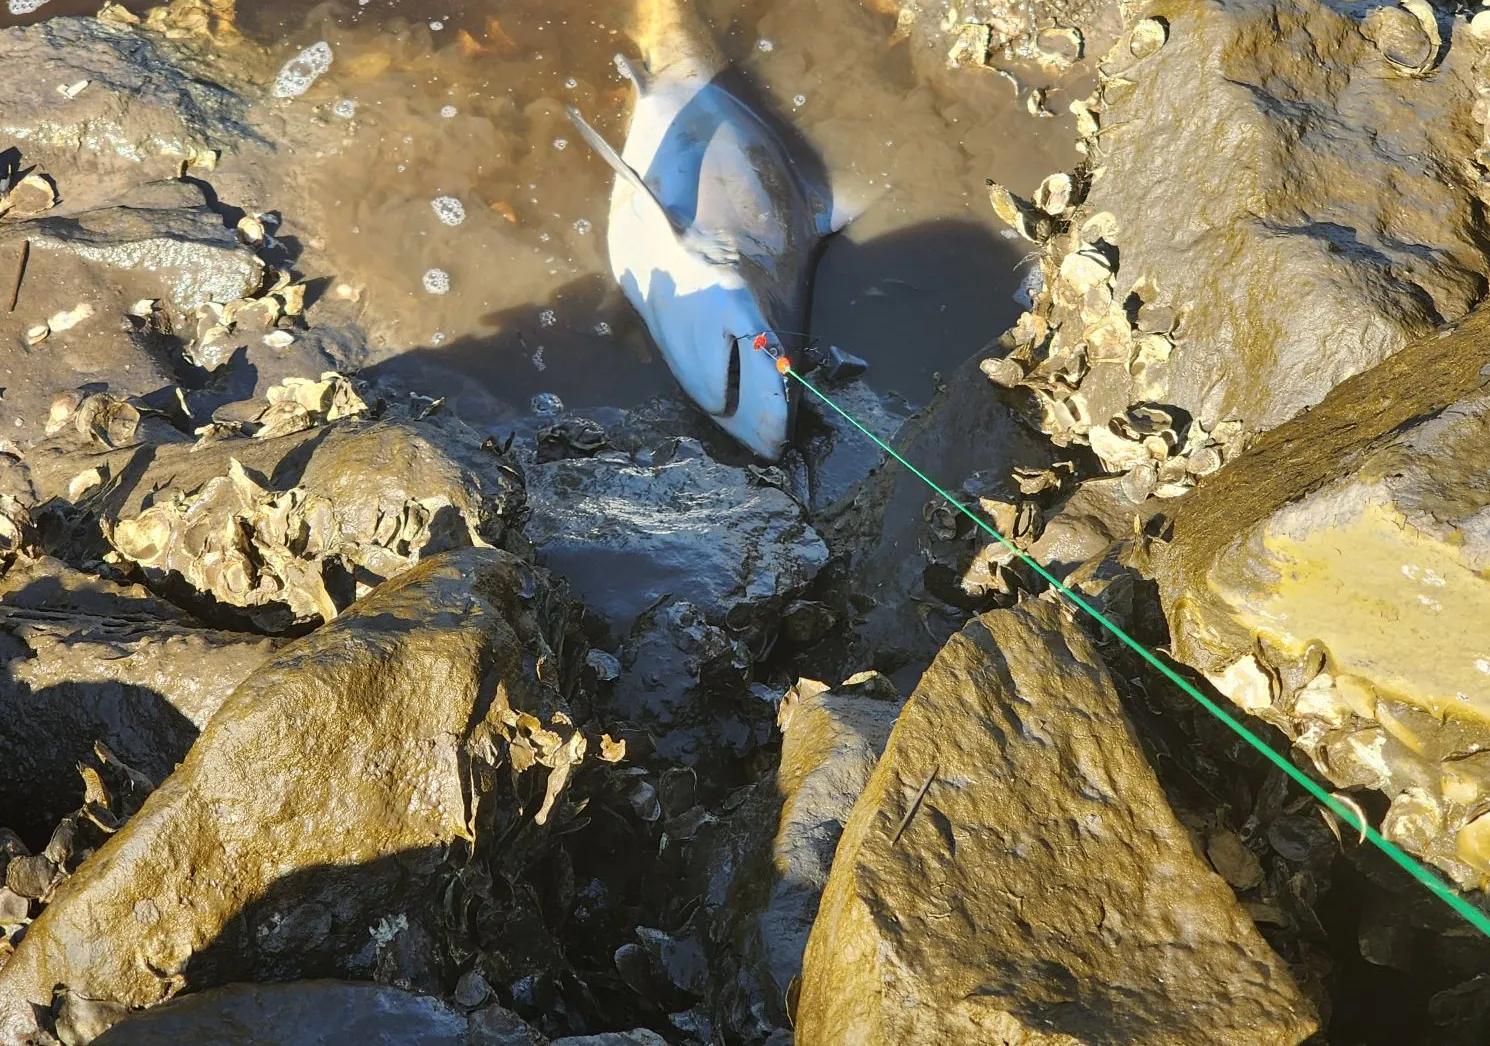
(620, 166)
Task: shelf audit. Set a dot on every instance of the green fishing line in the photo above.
(1444, 892)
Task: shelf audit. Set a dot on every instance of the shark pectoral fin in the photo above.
(640, 78)
(620, 166)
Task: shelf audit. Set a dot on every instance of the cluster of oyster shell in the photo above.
(275, 311)
(1082, 316)
(1434, 770)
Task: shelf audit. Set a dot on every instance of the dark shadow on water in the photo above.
(913, 303)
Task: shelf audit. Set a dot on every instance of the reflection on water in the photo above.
(435, 153)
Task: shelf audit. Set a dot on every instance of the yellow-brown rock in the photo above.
(1012, 873)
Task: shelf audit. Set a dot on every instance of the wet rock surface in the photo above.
(89, 660)
(310, 1012)
(992, 882)
(231, 541)
(140, 117)
(764, 867)
(334, 780)
(1383, 692)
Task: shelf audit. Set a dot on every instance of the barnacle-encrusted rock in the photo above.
(312, 828)
(1333, 581)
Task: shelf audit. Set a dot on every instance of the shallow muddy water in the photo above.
(428, 102)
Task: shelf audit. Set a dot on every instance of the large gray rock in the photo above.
(1306, 210)
(1332, 581)
(629, 533)
(143, 113)
(88, 660)
(1012, 872)
(155, 240)
(311, 829)
(763, 869)
(313, 1013)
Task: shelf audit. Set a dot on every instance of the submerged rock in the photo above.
(1332, 581)
(142, 115)
(89, 660)
(764, 867)
(1012, 872)
(1300, 212)
(310, 1013)
(312, 829)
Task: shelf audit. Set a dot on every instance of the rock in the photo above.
(1355, 537)
(636, 1037)
(684, 680)
(156, 240)
(97, 661)
(764, 868)
(1207, 139)
(30, 877)
(308, 1013)
(840, 457)
(629, 534)
(287, 531)
(312, 827)
(1013, 872)
(146, 109)
(967, 428)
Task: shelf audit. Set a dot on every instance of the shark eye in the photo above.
(732, 380)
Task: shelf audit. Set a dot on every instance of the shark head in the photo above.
(714, 339)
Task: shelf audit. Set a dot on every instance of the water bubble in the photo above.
(582, 226)
(603, 329)
(799, 100)
(547, 403)
(571, 83)
(765, 45)
(538, 360)
(437, 281)
(448, 209)
(346, 108)
(561, 143)
(302, 70)
(437, 338)
(448, 111)
(544, 237)
(546, 318)
(437, 25)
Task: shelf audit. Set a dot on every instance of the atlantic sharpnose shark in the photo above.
(716, 220)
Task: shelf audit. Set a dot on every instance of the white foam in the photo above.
(302, 70)
(437, 281)
(448, 209)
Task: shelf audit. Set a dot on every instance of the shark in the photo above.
(718, 215)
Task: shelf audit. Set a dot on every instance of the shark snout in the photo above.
(757, 402)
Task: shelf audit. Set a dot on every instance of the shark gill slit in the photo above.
(732, 381)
